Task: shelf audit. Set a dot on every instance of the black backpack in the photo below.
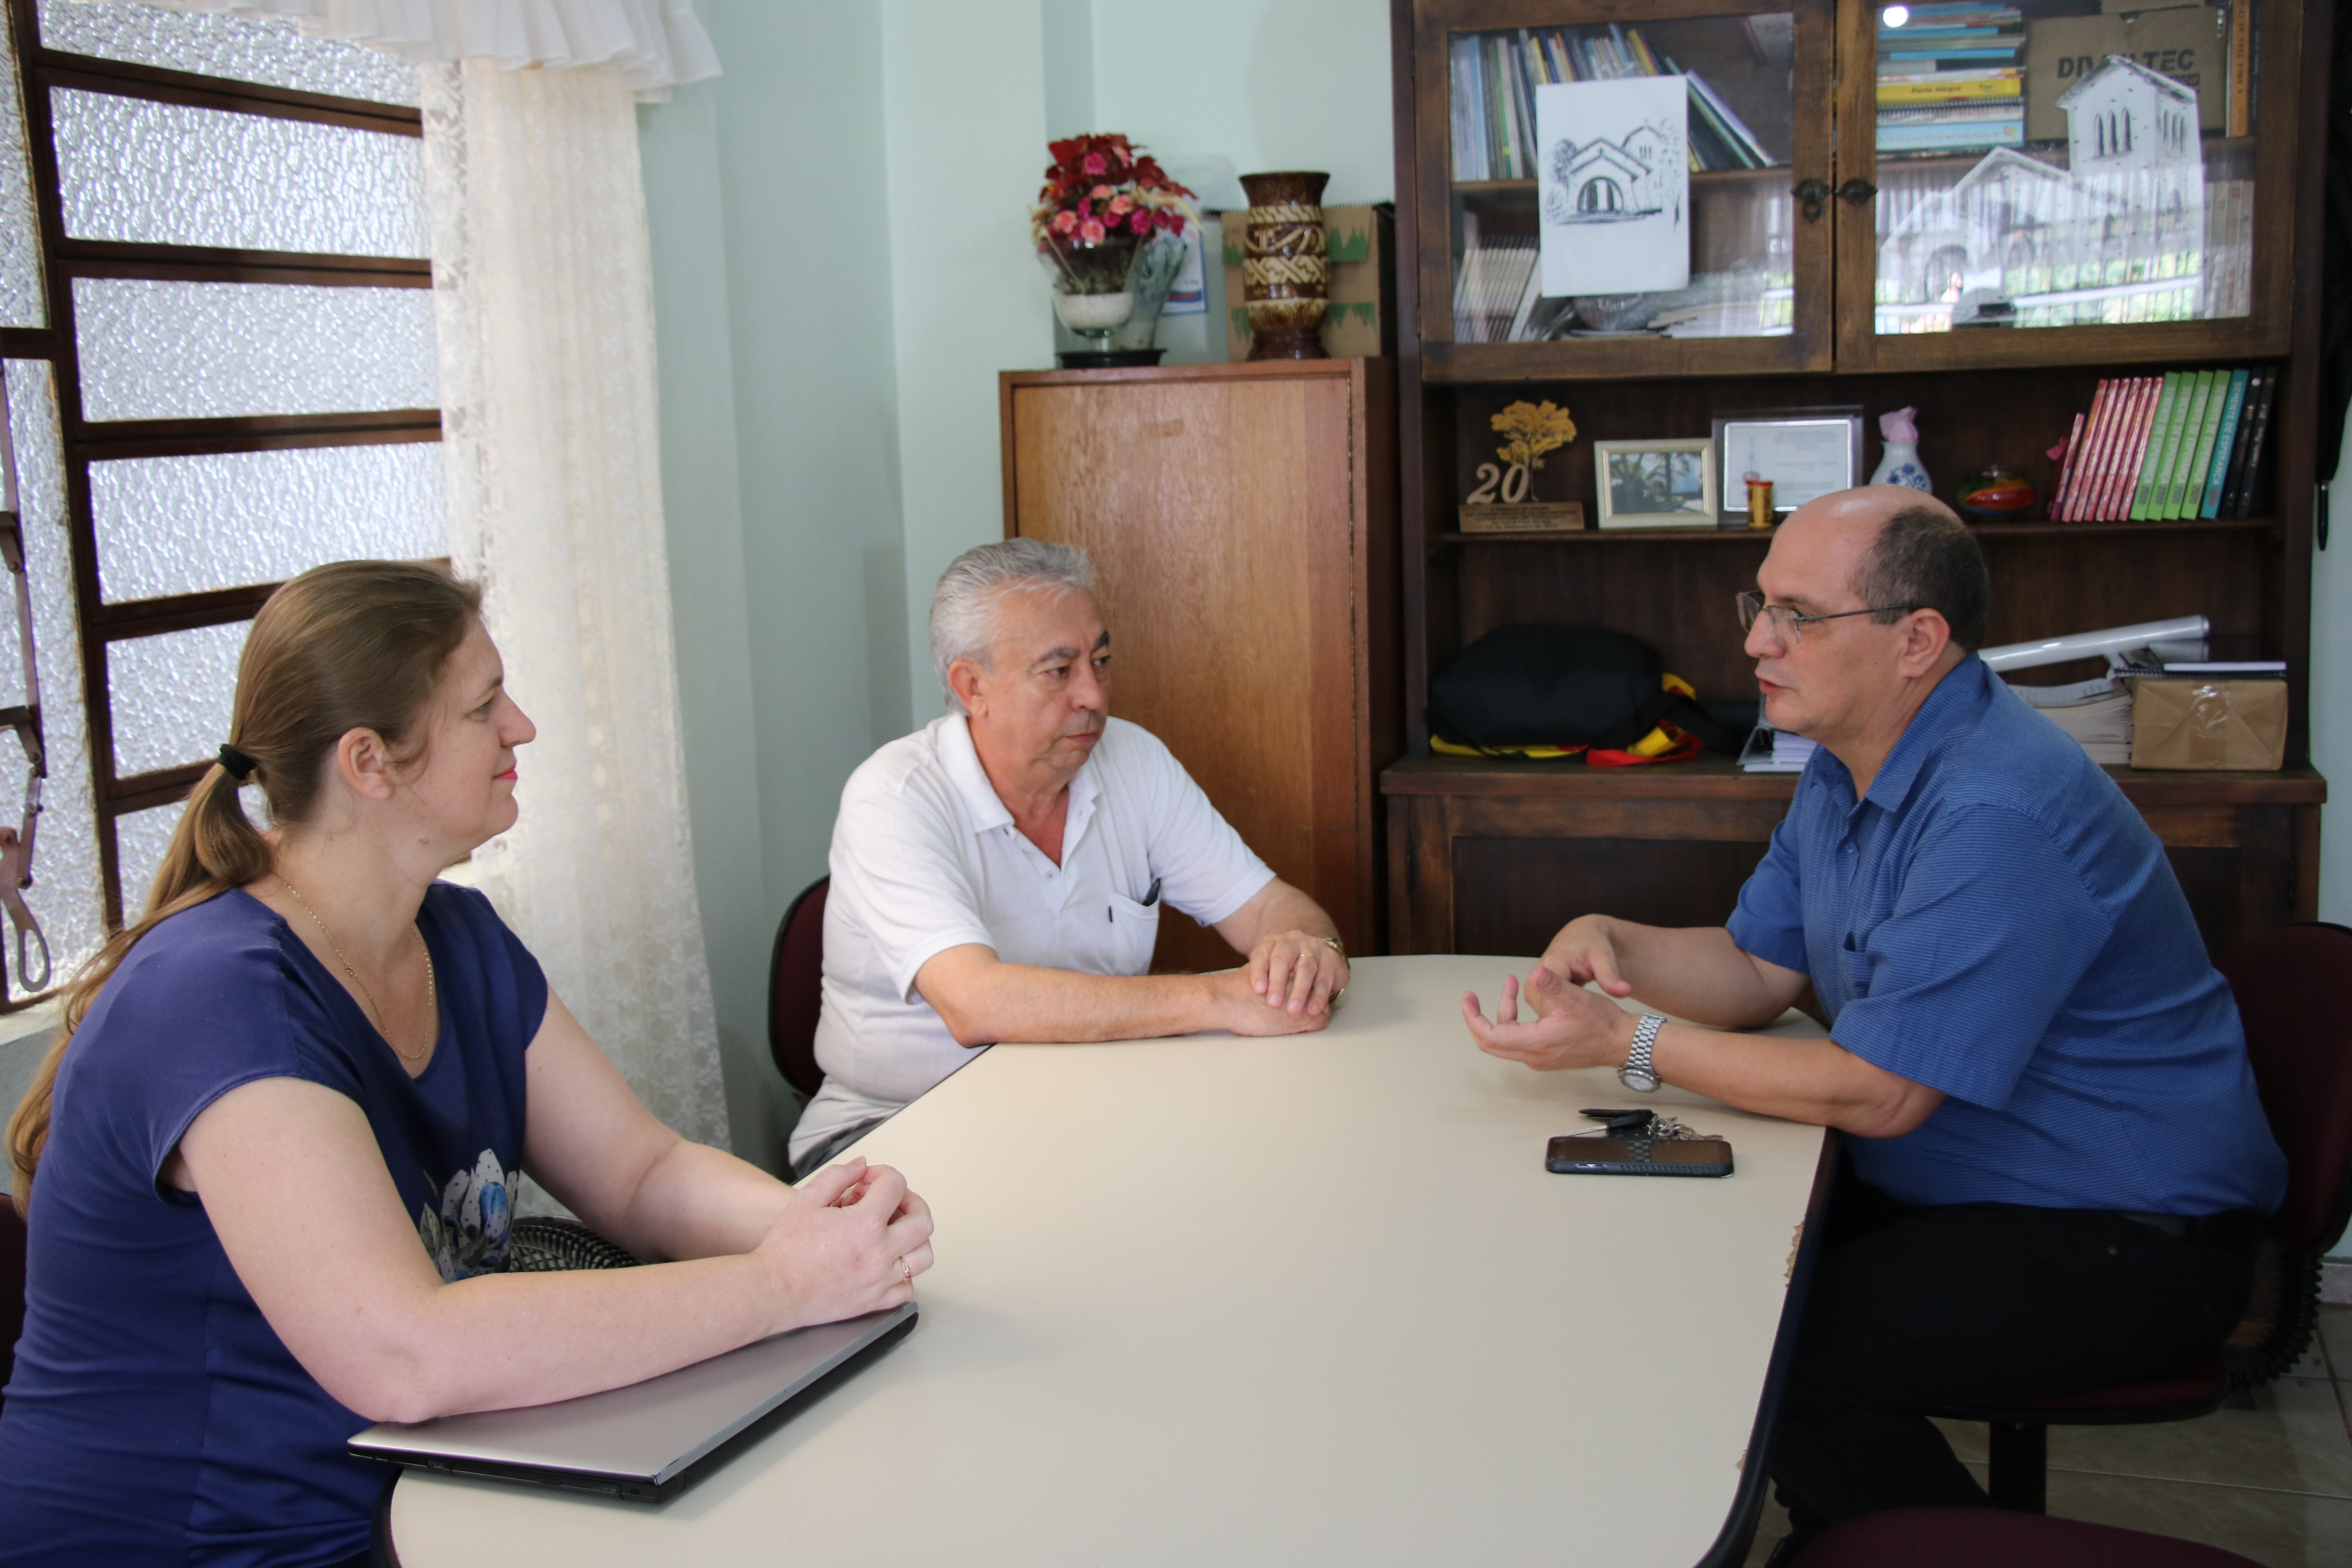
(1561, 685)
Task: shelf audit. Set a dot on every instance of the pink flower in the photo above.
(1090, 232)
(1096, 163)
(1065, 222)
(1140, 223)
(1099, 194)
(1121, 206)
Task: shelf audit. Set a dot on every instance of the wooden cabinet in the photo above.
(1991, 291)
(1241, 521)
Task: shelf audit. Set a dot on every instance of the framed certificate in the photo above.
(1807, 453)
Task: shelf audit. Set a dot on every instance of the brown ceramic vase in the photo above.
(1285, 275)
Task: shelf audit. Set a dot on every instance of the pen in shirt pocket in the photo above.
(1148, 899)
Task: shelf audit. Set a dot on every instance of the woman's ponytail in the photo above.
(357, 644)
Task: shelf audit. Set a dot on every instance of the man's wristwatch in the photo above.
(1637, 1074)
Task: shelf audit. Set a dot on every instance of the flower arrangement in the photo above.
(1103, 199)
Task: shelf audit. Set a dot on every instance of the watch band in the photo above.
(1637, 1074)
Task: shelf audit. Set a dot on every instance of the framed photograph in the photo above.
(1655, 484)
(1807, 453)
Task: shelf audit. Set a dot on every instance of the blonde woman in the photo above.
(268, 1169)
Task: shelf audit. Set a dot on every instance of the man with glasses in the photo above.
(2059, 1166)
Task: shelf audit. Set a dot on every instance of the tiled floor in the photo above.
(2273, 1483)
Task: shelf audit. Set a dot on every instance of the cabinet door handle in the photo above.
(1856, 191)
(1813, 194)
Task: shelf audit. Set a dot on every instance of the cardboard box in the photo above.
(2188, 43)
(1360, 320)
(2189, 722)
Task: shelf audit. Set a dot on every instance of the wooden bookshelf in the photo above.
(1494, 855)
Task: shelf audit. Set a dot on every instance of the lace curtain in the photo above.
(653, 45)
(542, 278)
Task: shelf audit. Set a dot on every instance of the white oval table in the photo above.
(1296, 1301)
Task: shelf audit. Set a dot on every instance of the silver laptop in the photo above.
(646, 1441)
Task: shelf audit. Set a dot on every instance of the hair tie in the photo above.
(240, 766)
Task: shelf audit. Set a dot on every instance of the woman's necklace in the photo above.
(378, 1016)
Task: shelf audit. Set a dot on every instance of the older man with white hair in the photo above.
(1000, 874)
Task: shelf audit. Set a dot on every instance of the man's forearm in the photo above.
(1811, 1081)
(990, 1000)
(1279, 908)
(1696, 973)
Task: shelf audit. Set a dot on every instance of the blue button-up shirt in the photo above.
(1995, 921)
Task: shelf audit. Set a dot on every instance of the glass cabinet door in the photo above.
(2049, 181)
(1602, 197)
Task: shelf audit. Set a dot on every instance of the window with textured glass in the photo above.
(221, 372)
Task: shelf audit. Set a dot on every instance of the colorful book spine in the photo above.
(2224, 438)
(2151, 455)
(2234, 477)
(1949, 87)
(2249, 481)
(2172, 468)
(2058, 493)
(2197, 450)
(2131, 446)
(2084, 461)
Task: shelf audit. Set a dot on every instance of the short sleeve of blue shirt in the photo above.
(155, 1415)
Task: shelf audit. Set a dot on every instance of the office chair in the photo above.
(2297, 1001)
(795, 973)
(1971, 1536)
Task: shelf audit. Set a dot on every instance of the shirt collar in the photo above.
(1956, 700)
(960, 760)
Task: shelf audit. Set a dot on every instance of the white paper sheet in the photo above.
(1614, 177)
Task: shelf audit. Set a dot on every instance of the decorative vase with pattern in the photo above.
(1286, 274)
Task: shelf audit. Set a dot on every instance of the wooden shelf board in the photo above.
(1713, 776)
(1983, 531)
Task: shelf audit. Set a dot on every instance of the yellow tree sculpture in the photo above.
(1533, 430)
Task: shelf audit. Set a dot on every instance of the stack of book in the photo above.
(1950, 80)
(2098, 713)
(1771, 751)
(1494, 287)
(1495, 77)
(2186, 444)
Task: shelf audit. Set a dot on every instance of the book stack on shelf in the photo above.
(1950, 80)
(2187, 444)
(1495, 288)
(1495, 77)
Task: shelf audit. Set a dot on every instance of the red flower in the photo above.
(1097, 164)
(1140, 223)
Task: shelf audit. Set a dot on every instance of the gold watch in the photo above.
(1336, 945)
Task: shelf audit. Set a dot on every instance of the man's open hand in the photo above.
(1572, 1027)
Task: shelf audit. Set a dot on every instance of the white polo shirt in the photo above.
(926, 857)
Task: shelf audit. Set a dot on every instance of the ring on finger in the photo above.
(907, 1269)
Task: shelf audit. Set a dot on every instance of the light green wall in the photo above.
(780, 481)
(1265, 84)
(965, 107)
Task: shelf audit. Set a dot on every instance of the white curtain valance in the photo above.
(655, 45)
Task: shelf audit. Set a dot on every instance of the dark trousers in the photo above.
(1919, 1310)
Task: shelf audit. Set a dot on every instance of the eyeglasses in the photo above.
(1787, 627)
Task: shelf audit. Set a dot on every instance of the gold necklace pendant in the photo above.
(376, 1014)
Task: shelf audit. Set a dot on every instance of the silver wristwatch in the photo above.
(1637, 1074)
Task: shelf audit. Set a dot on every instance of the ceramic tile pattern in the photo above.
(2273, 1483)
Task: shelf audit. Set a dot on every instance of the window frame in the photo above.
(63, 259)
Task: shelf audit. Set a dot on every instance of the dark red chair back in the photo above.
(2295, 992)
(1973, 1537)
(12, 1284)
(795, 988)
